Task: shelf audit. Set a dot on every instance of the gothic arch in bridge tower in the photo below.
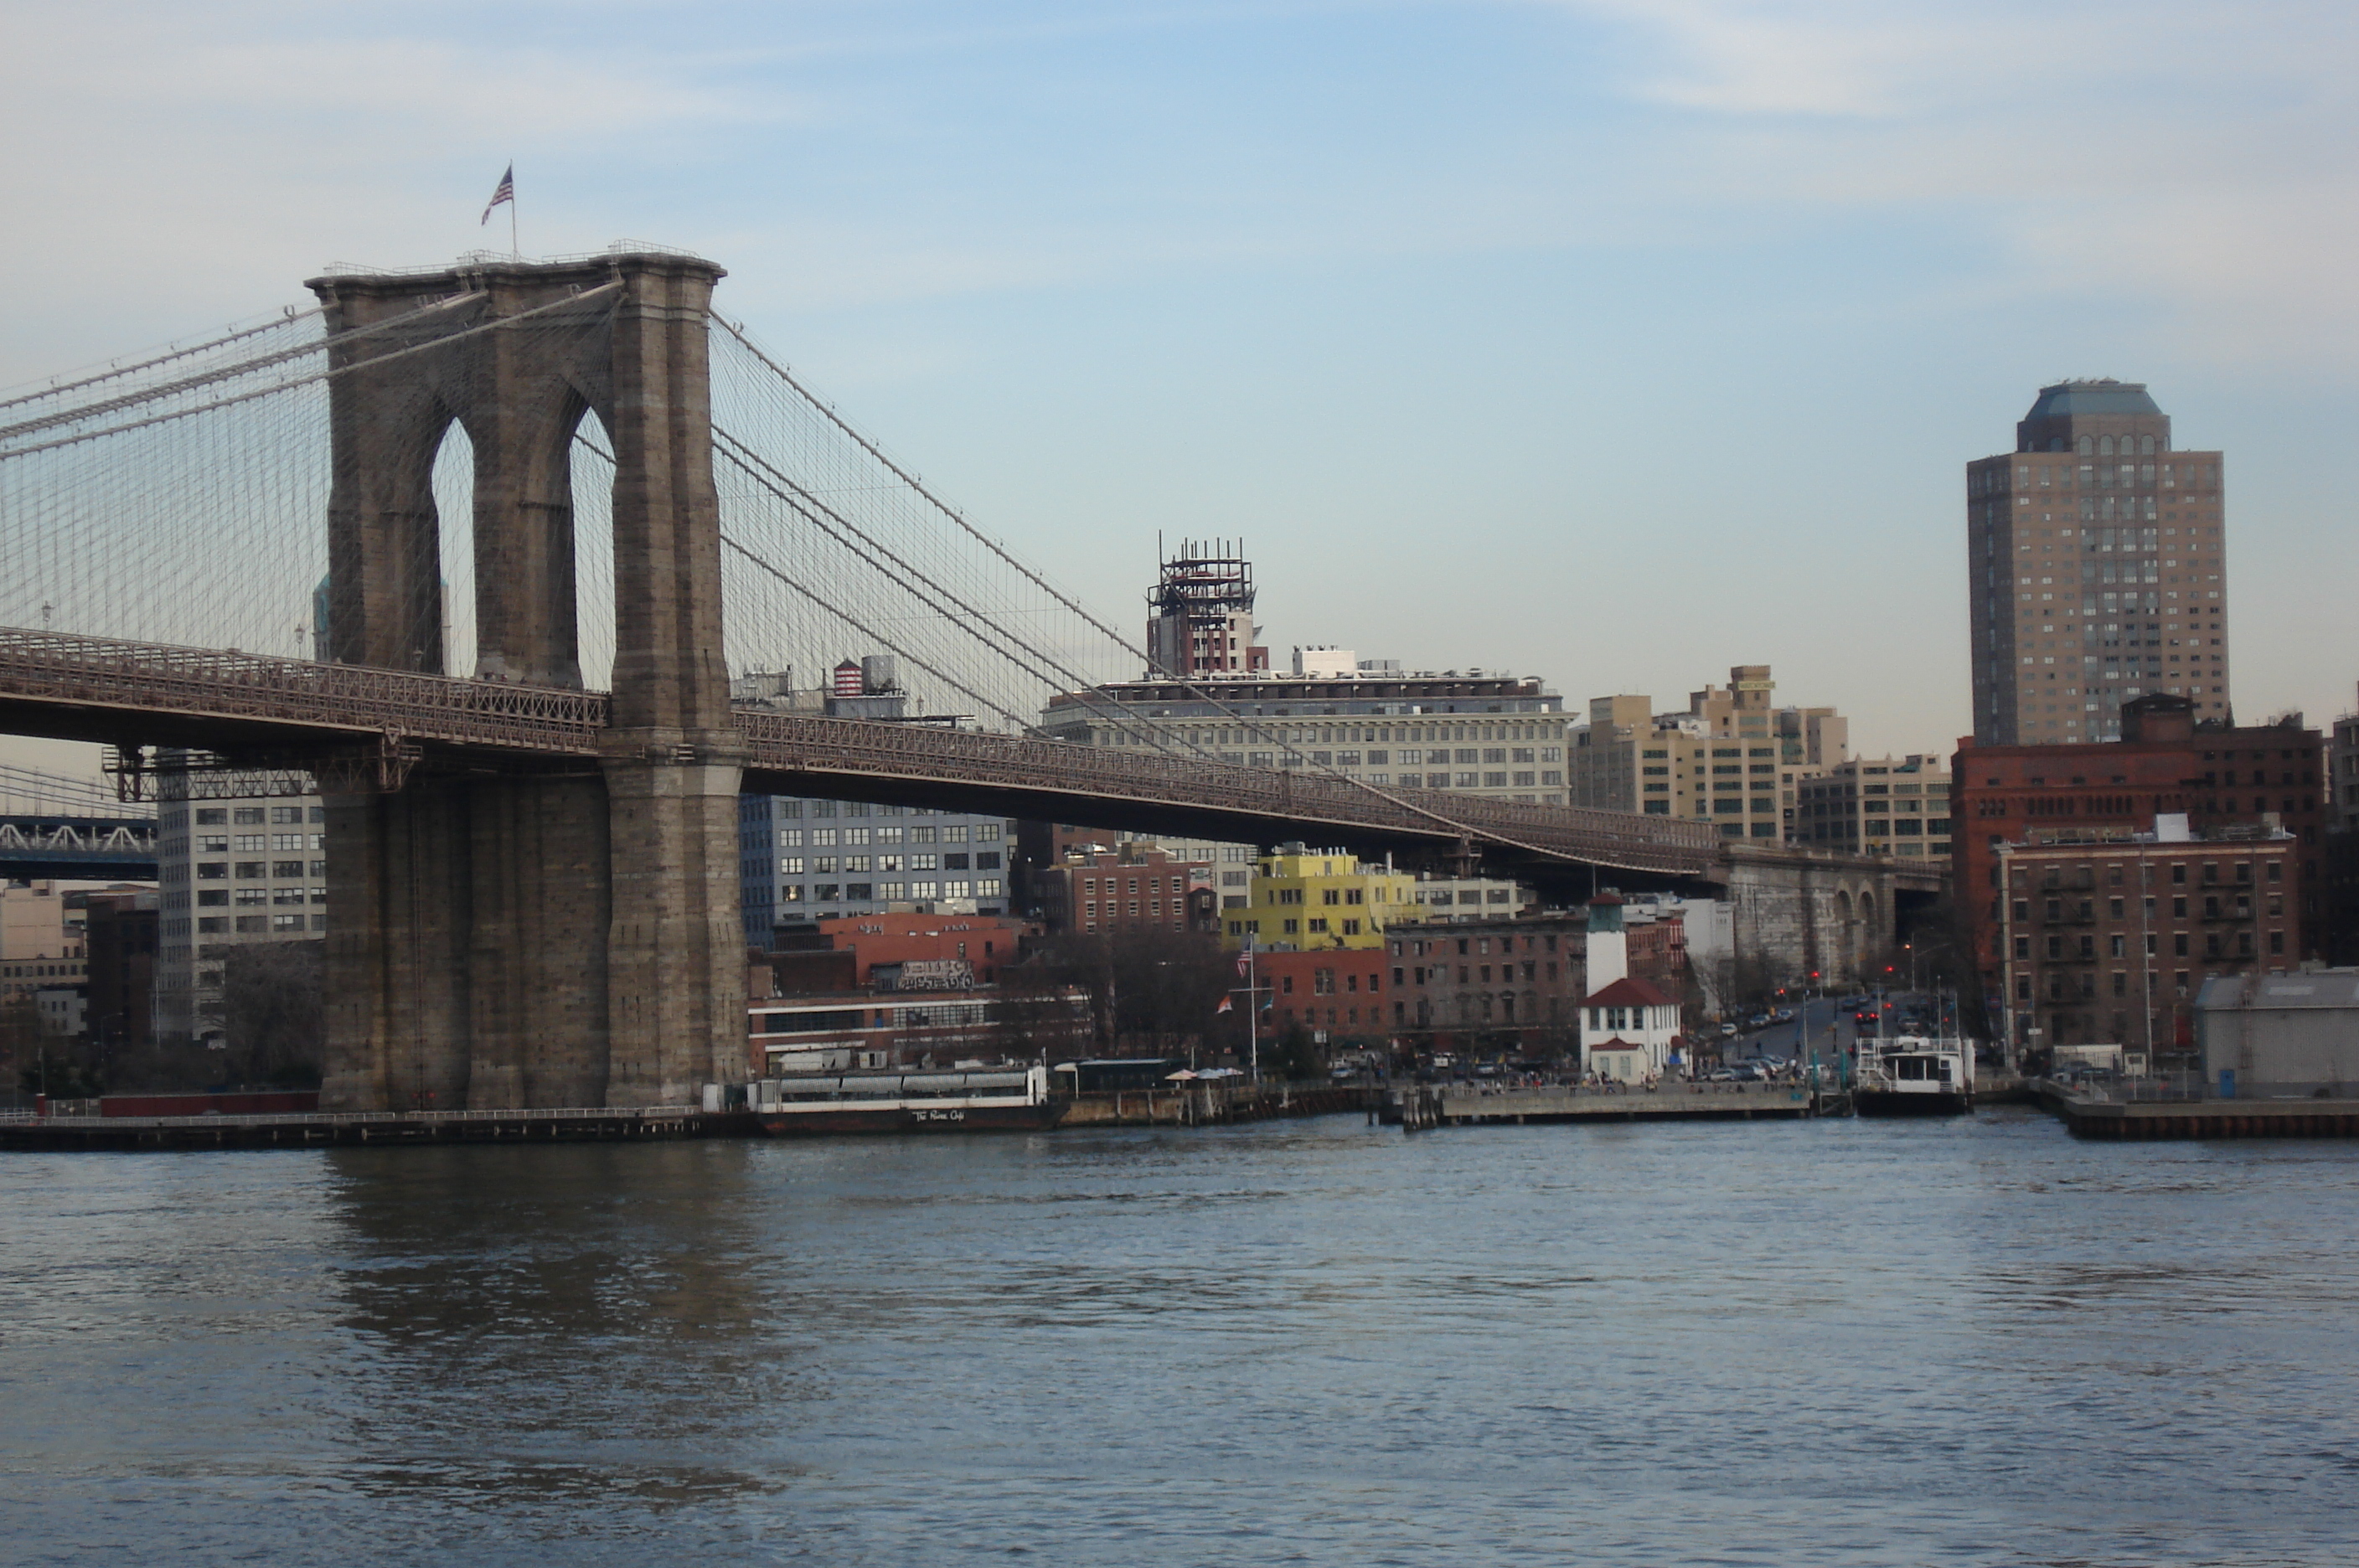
(531, 937)
(1847, 946)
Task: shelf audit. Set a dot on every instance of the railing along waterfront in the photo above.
(371, 1118)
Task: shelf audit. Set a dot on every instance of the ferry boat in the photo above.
(1014, 1099)
(1911, 1075)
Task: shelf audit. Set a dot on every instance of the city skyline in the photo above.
(1662, 334)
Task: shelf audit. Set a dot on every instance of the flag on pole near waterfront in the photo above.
(1228, 1005)
(1244, 960)
(506, 192)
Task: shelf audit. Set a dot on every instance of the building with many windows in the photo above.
(1337, 994)
(230, 872)
(1889, 805)
(1730, 756)
(1045, 844)
(804, 860)
(1511, 985)
(1480, 733)
(1310, 898)
(1446, 898)
(2214, 775)
(2098, 570)
(1134, 887)
(2109, 934)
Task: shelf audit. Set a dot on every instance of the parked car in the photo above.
(1728, 1031)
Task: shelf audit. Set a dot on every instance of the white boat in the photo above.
(1014, 1099)
(1912, 1075)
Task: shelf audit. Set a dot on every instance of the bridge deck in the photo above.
(131, 695)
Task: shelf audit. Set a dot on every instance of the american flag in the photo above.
(506, 192)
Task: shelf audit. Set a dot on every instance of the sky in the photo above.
(1608, 341)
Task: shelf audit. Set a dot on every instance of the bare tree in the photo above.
(273, 1013)
(1156, 989)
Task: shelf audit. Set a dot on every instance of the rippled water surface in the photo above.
(1311, 1341)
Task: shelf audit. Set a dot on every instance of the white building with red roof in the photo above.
(1628, 1026)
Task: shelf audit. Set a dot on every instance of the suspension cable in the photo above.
(117, 373)
(328, 374)
(1012, 646)
(1465, 830)
(225, 372)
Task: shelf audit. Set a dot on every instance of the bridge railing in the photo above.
(365, 702)
(791, 743)
(234, 684)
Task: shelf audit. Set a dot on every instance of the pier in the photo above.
(2099, 1113)
(319, 1129)
(1455, 1104)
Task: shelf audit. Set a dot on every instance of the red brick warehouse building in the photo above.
(2251, 779)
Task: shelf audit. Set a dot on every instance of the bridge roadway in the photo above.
(131, 695)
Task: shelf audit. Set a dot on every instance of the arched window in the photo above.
(2104, 446)
(2088, 446)
(2145, 446)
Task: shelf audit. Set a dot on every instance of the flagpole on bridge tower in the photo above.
(505, 192)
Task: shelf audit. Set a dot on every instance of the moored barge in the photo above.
(1014, 1099)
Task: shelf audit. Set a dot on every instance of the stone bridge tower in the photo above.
(554, 937)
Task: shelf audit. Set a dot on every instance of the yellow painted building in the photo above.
(1307, 899)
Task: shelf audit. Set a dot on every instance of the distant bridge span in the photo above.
(385, 723)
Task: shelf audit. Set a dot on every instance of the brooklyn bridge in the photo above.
(229, 555)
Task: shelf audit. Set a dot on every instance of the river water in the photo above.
(1310, 1341)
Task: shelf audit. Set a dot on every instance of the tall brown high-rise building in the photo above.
(2099, 573)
